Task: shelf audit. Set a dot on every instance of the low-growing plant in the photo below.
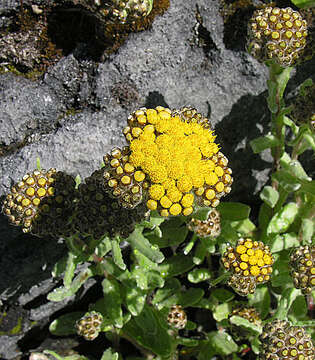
(183, 274)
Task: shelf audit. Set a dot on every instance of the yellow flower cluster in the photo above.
(177, 152)
(250, 260)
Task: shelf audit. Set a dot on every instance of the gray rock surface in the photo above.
(75, 113)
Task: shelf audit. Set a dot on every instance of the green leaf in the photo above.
(61, 293)
(135, 299)
(70, 357)
(117, 255)
(307, 228)
(199, 275)
(287, 181)
(190, 297)
(298, 309)
(294, 167)
(139, 242)
(308, 187)
(222, 295)
(243, 226)
(260, 300)
(222, 312)
(65, 324)
(69, 271)
(200, 253)
(233, 211)
(176, 265)
(110, 355)
(281, 221)
(146, 330)
(269, 195)
(285, 303)
(302, 4)
(222, 343)
(245, 324)
(111, 291)
(187, 341)
(168, 295)
(109, 267)
(60, 267)
(201, 213)
(104, 247)
(174, 232)
(263, 143)
(284, 242)
(155, 280)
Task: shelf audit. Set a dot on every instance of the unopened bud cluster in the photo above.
(42, 203)
(177, 317)
(278, 34)
(250, 263)
(210, 227)
(302, 262)
(118, 11)
(280, 340)
(89, 325)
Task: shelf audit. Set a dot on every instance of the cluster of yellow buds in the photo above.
(42, 203)
(89, 325)
(249, 313)
(118, 11)
(97, 214)
(251, 264)
(173, 159)
(280, 340)
(303, 268)
(210, 227)
(177, 317)
(278, 34)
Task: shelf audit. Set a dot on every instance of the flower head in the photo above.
(251, 264)
(177, 317)
(302, 262)
(281, 340)
(210, 227)
(176, 151)
(278, 34)
(89, 325)
(42, 203)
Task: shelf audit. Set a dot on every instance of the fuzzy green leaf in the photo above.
(109, 355)
(199, 275)
(245, 324)
(187, 341)
(269, 195)
(307, 228)
(104, 247)
(287, 181)
(285, 303)
(117, 255)
(298, 309)
(260, 300)
(294, 167)
(134, 299)
(200, 253)
(243, 226)
(233, 211)
(281, 221)
(303, 4)
(222, 295)
(65, 324)
(222, 343)
(61, 293)
(263, 143)
(70, 357)
(190, 297)
(111, 291)
(146, 330)
(284, 242)
(168, 295)
(69, 271)
(221, 312)
(140, 243)
(176, 265)
(122, 275)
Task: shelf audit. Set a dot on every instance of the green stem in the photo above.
(219, 279)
